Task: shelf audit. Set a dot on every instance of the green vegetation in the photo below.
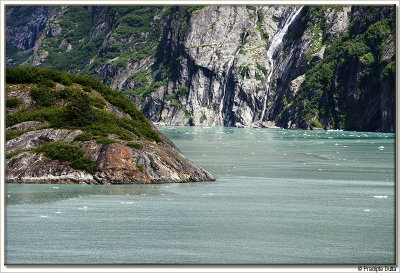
(189, 10)
(324, 92)
(67, 151)
(16, 55)
(262, 69)
(104, 140)
(78, 111)
(244, 72)
(13, 102)
(76, 23)
(135, 145)
(316, 124)
(85, 136)
(140, 167)
(43, 95)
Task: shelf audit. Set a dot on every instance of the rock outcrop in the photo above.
(118, 155)
(116, 163)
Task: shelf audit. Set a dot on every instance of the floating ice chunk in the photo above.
(367, 210)
(43, 216)
(8, 195)
(126, 202)
(83, 208)
(56, 187)
(336, 144)
(381, 147)
(319, 169)
(59, 212)
(380, 196)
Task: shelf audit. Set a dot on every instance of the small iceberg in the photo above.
(381, 196)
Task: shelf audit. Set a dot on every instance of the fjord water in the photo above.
(281, 197)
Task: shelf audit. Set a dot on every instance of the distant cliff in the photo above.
(63, 128)
(290, 66)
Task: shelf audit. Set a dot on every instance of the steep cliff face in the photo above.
(67, 129)
(293, 66)
(24, 25)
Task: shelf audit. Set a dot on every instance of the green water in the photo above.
(281, 197)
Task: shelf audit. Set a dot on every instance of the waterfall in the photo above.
(228, 73)
(275, 42)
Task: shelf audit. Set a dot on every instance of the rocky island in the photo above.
(64, 128)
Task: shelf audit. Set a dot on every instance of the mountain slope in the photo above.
(64, 128)
(296, 67)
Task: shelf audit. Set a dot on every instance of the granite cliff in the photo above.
(301, 67)
(63, 128)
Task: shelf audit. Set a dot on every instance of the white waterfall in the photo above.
(275, 42)
(227, 75)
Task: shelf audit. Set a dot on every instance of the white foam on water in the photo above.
(126, 202)
(56, 187)
(381, 196)
(345, 146)
(83, 208)
(162, 194)
(43, 216)
(319, 169)
(59, 212)
(367, 210)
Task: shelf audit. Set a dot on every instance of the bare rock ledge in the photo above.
(115, 163)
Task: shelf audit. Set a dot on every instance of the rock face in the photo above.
(234, 65)
(116, 161)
